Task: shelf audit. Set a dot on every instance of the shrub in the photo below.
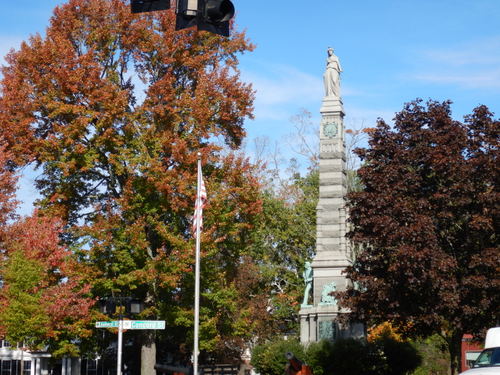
(352, 357)
(269, 358)
(435, 356)
(401, 358)
(318, 357)
(383, 356)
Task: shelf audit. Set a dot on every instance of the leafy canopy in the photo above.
(44, 300)
(425, 223)
(113, 109)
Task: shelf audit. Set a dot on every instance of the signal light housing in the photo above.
(141, 6)
(209, 15)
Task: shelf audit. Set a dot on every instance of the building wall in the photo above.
(470, 351)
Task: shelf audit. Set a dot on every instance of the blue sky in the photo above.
(391, 51)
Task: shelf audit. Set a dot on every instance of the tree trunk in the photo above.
(148, 353)
(21, 367)
(455, 348)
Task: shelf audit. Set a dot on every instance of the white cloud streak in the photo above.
(280, 88)
(472, 65)
(488, 79)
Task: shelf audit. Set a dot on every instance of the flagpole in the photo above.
(197, 276)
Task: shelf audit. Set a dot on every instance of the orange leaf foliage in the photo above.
(113, 108)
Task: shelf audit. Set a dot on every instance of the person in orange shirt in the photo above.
(296, 367)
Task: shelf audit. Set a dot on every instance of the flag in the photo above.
(201, 199)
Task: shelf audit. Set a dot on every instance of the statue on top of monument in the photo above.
(332, 75)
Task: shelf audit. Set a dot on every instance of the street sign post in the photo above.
(128, 324)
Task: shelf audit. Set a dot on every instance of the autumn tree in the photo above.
(113, 109)
(426, 223)
(22, 314)
(44, 300)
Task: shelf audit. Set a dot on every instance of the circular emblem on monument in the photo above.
(330, 129)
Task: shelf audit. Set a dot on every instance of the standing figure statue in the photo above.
(332, 75)
(308, 279)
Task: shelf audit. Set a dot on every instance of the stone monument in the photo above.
(319, 319)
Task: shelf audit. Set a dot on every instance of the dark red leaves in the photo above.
(427, 219)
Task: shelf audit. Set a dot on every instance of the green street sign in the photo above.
(112, 324)
(146, 324)
(133, 324)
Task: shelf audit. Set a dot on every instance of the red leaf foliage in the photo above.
(64, 295)
(426, 223)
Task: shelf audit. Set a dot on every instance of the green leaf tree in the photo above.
(435, 356)
(384, 356)
(24, 319)
(270, 358)
(283, 240)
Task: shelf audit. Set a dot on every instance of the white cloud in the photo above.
(358, 117)
(471, 65)
(278, 85)
(481, 52)
(486, 79)
(282, 89)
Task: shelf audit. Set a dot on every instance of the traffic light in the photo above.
(187, 14)
(133, 306)
(107, 306)
(140, 6)
(208, 15)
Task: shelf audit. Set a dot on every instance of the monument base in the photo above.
(322, 323)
